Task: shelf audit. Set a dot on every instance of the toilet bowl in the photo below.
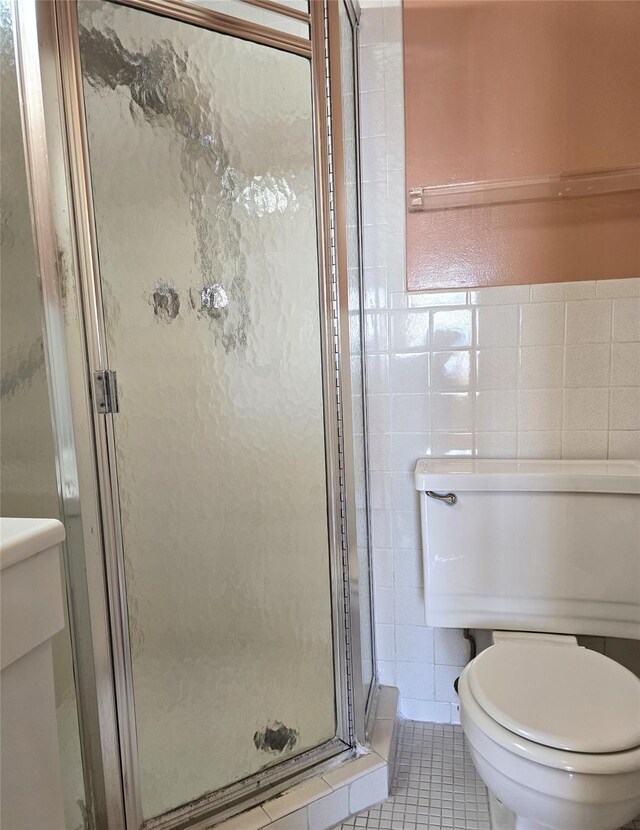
(554, 732)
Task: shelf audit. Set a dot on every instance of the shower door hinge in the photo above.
(105, 391)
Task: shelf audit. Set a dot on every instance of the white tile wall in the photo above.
(532, 371)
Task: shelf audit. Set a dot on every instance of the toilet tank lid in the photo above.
(459, 474)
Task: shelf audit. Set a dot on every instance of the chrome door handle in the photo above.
(449, 498)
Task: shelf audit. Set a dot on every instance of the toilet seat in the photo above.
(562, 697)
(476, 721)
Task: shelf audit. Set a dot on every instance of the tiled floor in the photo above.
(435, 787)
(435, 784)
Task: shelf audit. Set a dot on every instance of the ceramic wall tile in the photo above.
(414, 643)
(445, 677)
(415, 680)
(410, 413)
(542, 324)
(541, 367)
(586, 408)
(539, 443)
(589, 321)
(501, 295)
(409, 606)
(626, 320)
(370, 789)
(497, 325)
(452, 444)
(625, 364)
(496, 444)
(452, 328)
(329, 810)
(588, 364)
(386, 642)
(549, 291)
(496, 410)
(384, 605)
(406, 530)
(409, 372)
(377, 369)
(625, 408)
(584, 443)
(540, 409)
(409, 330)
(407, 566)
(451, 647)
(404, 496)
(426, 710)
(452, 411)
(383, 570)
(618, 288)
(497, 368)
(624, 444)
(451, 371)
(406, 447)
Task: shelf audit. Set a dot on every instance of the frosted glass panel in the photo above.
(348, 79)
(27, 454)
(201, 157)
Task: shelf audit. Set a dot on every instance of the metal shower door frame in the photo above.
(108, 734)
(339, 192)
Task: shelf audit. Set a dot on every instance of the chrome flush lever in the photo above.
(450, 498)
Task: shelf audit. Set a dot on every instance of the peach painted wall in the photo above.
(509, 89)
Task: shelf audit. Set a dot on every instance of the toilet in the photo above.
(538, 552)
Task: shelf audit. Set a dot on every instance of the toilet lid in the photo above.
(559, 696)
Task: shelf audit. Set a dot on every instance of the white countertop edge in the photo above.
(22, 538)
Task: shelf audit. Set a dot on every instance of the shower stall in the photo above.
(193, 177)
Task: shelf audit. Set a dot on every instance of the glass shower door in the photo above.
(202, 169)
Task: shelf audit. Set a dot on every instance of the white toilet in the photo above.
(537, 552)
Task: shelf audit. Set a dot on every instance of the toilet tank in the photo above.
(532, 545)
